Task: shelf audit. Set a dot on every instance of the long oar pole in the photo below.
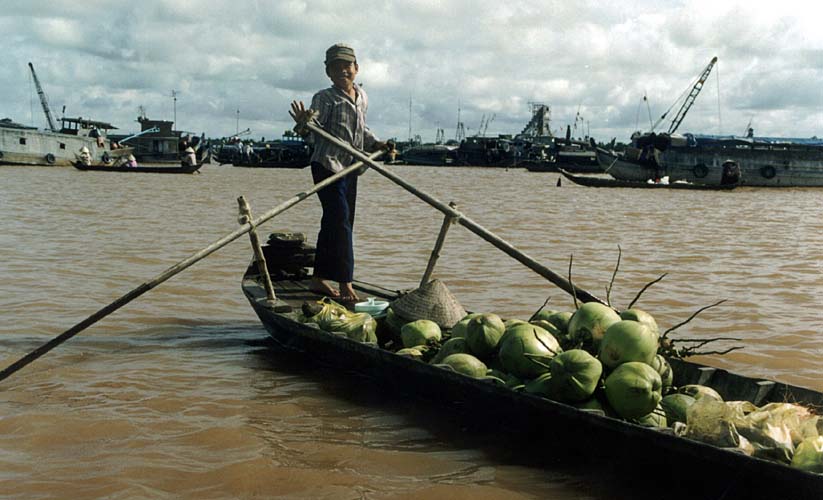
(176, 269)
(466, 222)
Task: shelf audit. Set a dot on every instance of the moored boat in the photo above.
(705, 159)
(150, 169)
(22, 145)
(591, 181)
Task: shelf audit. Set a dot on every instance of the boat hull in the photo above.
(766, 166)
(562, 428)
(180, 169)
(47, 149)
(605, 182)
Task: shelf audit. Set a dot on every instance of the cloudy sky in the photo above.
(420, 60)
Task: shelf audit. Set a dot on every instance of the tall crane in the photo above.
(696, 88)
(43, 100)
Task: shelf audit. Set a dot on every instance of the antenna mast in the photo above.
(43, 100)
(174, 96)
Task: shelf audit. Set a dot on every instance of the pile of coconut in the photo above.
(593, 358)
(598, 359)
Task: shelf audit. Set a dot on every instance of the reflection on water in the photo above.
(178, 393)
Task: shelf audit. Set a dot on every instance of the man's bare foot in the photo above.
(317, 285)
(347, 293)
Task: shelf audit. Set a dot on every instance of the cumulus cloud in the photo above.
(420, 60)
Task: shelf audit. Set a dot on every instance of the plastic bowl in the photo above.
(372, 306)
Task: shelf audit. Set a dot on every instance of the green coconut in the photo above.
(522, 340)
(588, 324)
(675, 406)
(590, 404)
(466, 364)
(542, 314)
(508, 378)
(561, 321)
(459, 329)
(809, 455)
(700, 391)
(641, 317)
(483, 334)
(394, 321)
(548, 326)
(662, 366)
(452, 346)
(420, 332)
(627, 340)
(513, 321)
(411, 352)
(633, 389)
(539, 385)
(656, 418)
(575, 375)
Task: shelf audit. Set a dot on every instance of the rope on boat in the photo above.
(176, 269)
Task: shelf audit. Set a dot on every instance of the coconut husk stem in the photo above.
(614, 275)
(675, 327)
(644, 289)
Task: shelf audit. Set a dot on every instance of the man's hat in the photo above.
(340, 51)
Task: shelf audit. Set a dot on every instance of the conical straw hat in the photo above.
(433, 302)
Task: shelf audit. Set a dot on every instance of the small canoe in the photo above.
(606, 182)
(651, 454)
(146, 169)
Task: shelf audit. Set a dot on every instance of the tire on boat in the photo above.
(768, 172)
(50, 159)
(700, 170)
(106, 158)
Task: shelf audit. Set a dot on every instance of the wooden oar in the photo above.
(176, 269)
(466, 222)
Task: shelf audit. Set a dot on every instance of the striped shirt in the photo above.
(344, 119)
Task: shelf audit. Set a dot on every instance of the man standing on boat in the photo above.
(340, 110)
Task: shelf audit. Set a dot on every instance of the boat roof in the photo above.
(89, 123)
(708, 139)
(7, 123)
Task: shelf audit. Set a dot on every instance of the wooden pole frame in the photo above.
(259, 257)
(176, 269)
(500, 243)
(448, 220)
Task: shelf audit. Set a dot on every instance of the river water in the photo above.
(177, 395)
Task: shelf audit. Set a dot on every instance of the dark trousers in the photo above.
(334, 258)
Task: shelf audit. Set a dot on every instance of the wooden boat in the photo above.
(590, 181)
(717, 471)
(146, 169)
(650, 453)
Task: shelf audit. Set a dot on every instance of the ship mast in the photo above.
(43, 100)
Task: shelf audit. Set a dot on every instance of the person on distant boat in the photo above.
(189, 159)
(85, 156)
(341, 110)
(131, 161)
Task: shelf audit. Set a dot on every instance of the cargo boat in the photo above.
(705, 159)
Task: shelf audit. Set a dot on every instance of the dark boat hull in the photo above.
(563, 428)
(611, 183)
(187, 169)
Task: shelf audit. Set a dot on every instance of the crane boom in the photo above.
(43, 100)
(698, 86)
